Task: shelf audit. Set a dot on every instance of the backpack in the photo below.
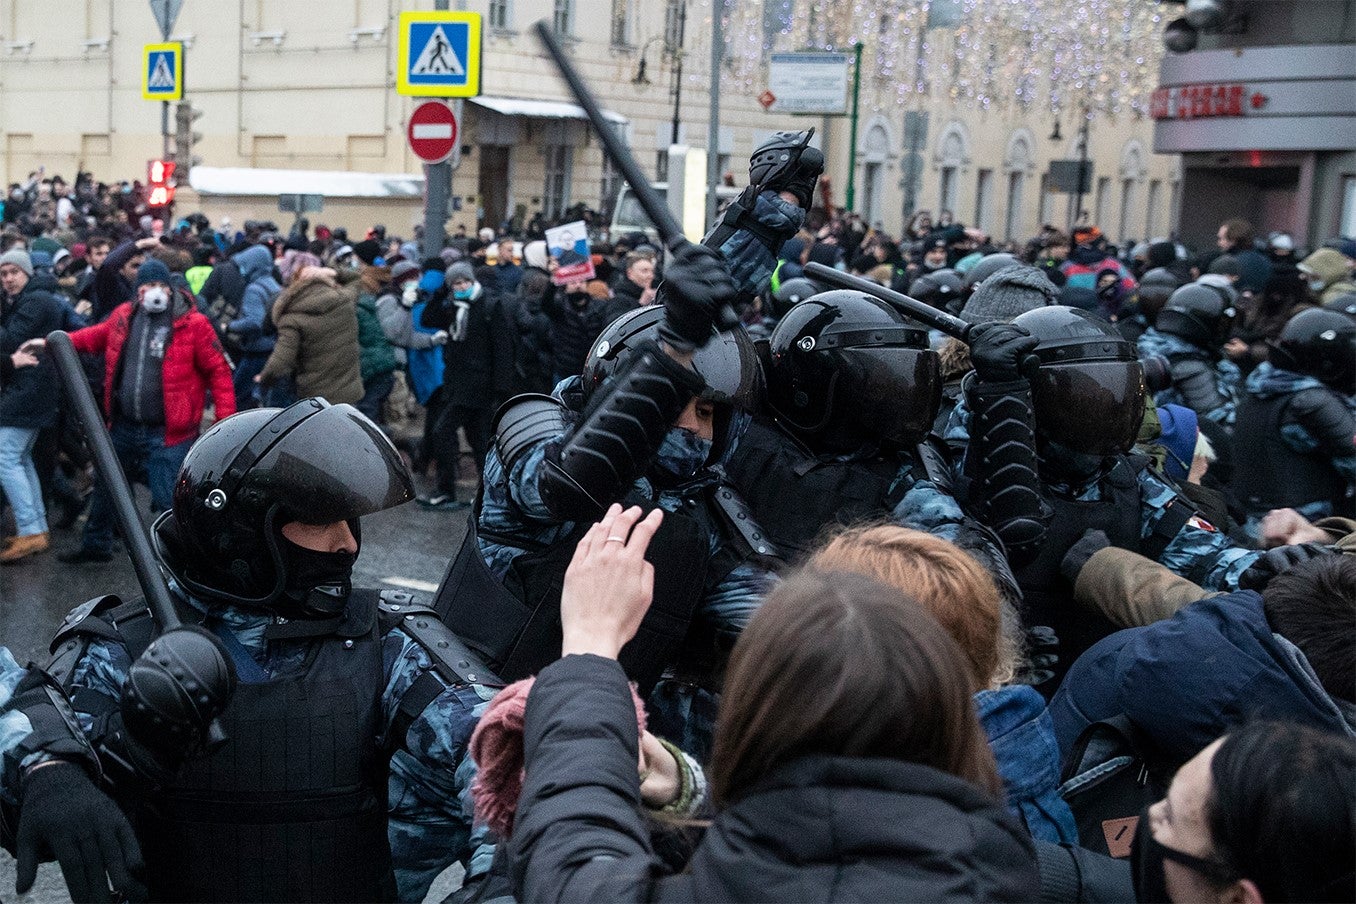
(1110, 777)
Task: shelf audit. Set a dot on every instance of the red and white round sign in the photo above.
(432, 131)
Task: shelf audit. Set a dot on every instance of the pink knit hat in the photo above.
(497, 748)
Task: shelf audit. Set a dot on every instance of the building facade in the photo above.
(1263, 114)
(961, 106)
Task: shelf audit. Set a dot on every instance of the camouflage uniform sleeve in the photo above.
(15, 728)
(1198, 552)
(729, 606)
(429, 803)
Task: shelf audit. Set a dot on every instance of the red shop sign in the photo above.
(1203, 101)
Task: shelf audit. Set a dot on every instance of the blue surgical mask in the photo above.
(682, 454)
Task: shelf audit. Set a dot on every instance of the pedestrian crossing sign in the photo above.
(162, 71)
(438, 54)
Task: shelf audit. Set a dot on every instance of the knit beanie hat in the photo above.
(497, 749)
(294, 262)
(368, 251)
(1008, 293)
(402, 270)
(460, 270)
(1179, 427)
(19, 258)
(152, 271)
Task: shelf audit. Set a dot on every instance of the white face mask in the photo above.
(410, 294)
(155, 300)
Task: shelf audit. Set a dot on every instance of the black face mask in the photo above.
(1146, 866)
(318, 583)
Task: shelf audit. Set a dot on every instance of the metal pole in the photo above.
(678, 71)
(437, 188)
(713, 116)
(1082, 170)
(851, 197)
(164, 130)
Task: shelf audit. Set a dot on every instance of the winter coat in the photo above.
(317, 341)
(1188, 679)
(223, 292)
(425, 365)
(30, 395)
(627, 292)
(194, 363)
(252, 328)
(1260, 324)
(1023, 742)
(533, 368)
(110, 288)
(1330, 266)
(818, 828)
(1253, 269)
(1085, 263)
(574, 329)
(397, 324)
(478, 369)
(1201, 380)
(376, 358)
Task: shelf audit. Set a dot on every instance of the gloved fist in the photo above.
(1092, 542)
(1277, 561)
(439, 338)
(697, 285)
(63, 813)
(999, 351)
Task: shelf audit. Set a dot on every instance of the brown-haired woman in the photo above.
(848, 761)
(961, 595)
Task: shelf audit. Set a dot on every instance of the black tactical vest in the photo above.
(1271, 474)
(293, 806)
(515, 624)
(1047, 596)
(795, 496)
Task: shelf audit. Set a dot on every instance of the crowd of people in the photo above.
(769, 590)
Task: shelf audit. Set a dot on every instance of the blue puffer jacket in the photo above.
(1188, 679)
(255, 332)
(1023, 742)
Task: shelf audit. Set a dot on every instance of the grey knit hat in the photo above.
(460, 270)
(1008, 293)
(19, 258)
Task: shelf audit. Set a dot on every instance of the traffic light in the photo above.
(184, 136)
(160, 183)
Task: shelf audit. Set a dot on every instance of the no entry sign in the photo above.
(432, 131)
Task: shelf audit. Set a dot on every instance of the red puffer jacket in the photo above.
(194, 363)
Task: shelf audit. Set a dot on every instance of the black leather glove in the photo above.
(697, 285)
(1092, 542)
(999, 351)
(1279, 560)
(63, 815)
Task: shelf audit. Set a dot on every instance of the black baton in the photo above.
(110, 471)
(924, 313)
(670, 233)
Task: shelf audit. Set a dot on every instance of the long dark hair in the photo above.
(1283, 811)
(837, 663)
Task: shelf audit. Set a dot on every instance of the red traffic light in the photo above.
(161, 172)
(160, 196)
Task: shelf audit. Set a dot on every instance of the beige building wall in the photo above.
(307, 84)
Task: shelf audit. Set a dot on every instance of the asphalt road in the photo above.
(406, 548)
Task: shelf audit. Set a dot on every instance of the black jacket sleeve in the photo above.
(579, 834)
(1324, 417)
(109, 284)
(437, 314)
(1196, 381)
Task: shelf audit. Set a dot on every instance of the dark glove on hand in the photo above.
(1092, 542)
(1277, 561)
(998, 351)
(63, 814)
(697, 284)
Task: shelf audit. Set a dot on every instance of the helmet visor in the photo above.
(893, 392)
(1092, 407)
(336, 465)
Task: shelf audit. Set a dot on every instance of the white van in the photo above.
(628, 216)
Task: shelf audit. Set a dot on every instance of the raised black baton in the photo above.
(670, 233)
(924, 313)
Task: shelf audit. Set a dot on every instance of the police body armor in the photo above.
(1273, 475)
(796, 496)
(293, 806)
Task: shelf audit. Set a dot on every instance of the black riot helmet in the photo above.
(258, 470)
(1343, 304)
(1089, 390)
(940, 288)
(1199, 314)
(795, 290)
(727, 364)
(1321, 344)
(989, 265)
(1155, 288)
(846, 369)
(784, 161)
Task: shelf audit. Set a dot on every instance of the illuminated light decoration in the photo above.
(1000, 55)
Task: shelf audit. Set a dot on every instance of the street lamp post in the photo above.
(1082, 168)
(678, 70)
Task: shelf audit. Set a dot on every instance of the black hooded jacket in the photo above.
(820, 828)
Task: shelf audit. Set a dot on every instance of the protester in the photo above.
(316, 353)
(848, 760)
(253, 331)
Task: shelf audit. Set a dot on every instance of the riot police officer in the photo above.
(340, 774)
(1189, 332)
(659, 404)
(1086, 406)
(1298, 412)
